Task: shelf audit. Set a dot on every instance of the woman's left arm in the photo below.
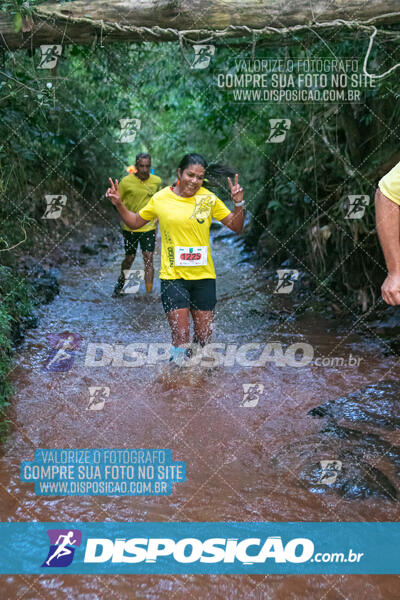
(235, 219)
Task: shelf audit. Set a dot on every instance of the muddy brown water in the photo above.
(198, 415)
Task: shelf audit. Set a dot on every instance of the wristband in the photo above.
(239, 203)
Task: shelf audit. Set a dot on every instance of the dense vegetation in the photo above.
(59, 134)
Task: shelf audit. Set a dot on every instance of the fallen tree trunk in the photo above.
(83, 21)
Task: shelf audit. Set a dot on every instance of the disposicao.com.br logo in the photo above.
(248, 551)
(200, 547)
(191, 550)
(256, 354)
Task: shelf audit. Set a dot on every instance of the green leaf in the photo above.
(274, 204)
(17, 22)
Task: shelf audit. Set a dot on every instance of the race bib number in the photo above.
(186, 256)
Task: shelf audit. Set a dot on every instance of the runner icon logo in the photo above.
(279, 128)
(287, 277)
(54, 206)
(133, 277)
(63, 543)
(49, 55)
(97, 397)
(62, 353)
(251, 394)
(129, 128)
(202, 55)
(356, 206)
(330, 470)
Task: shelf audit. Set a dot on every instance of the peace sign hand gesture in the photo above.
(113, 194)
(236, 190)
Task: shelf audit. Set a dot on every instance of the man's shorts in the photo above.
(197, 294)
(147, 240)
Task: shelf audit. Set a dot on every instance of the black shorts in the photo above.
(147, 240)
(199, 294)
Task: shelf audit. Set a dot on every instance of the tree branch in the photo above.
(82, 21)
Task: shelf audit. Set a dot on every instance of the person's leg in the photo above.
(148, 270)
(130, 243)
(203, 299)
(147, 244)
(125, 265)
(179, 322)
(127, 262)
(175, 300)
(203, 322)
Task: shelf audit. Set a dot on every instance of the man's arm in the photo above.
(131, 219)
(388, 228)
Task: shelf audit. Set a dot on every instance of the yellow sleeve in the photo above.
(220, 211)
(121, 189)
(148, 212)
(390, 184)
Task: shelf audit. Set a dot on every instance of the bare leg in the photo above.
(125, 265)
(127, 262)
(148, 270)
(203, 321)
(179, 322)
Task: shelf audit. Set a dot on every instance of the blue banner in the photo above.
(215, 548)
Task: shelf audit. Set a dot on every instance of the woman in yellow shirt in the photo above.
(187, 274)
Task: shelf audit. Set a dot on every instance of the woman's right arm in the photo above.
(131, 219)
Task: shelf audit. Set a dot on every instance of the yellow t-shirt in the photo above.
(185, 232)
(390, 184)
(136, 193)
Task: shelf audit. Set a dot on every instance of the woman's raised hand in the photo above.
(112, 193)
(236, 190)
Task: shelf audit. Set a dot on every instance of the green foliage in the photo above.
(17, 22)
(15, 308)
(23, 8)
(59, 134)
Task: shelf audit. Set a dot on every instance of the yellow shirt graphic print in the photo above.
(203, 206)
(185, 232)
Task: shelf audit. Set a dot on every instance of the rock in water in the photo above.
(343, 456)
(351, 477)
(377, 404)
(44, 281)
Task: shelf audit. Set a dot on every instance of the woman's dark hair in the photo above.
(213, 172)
